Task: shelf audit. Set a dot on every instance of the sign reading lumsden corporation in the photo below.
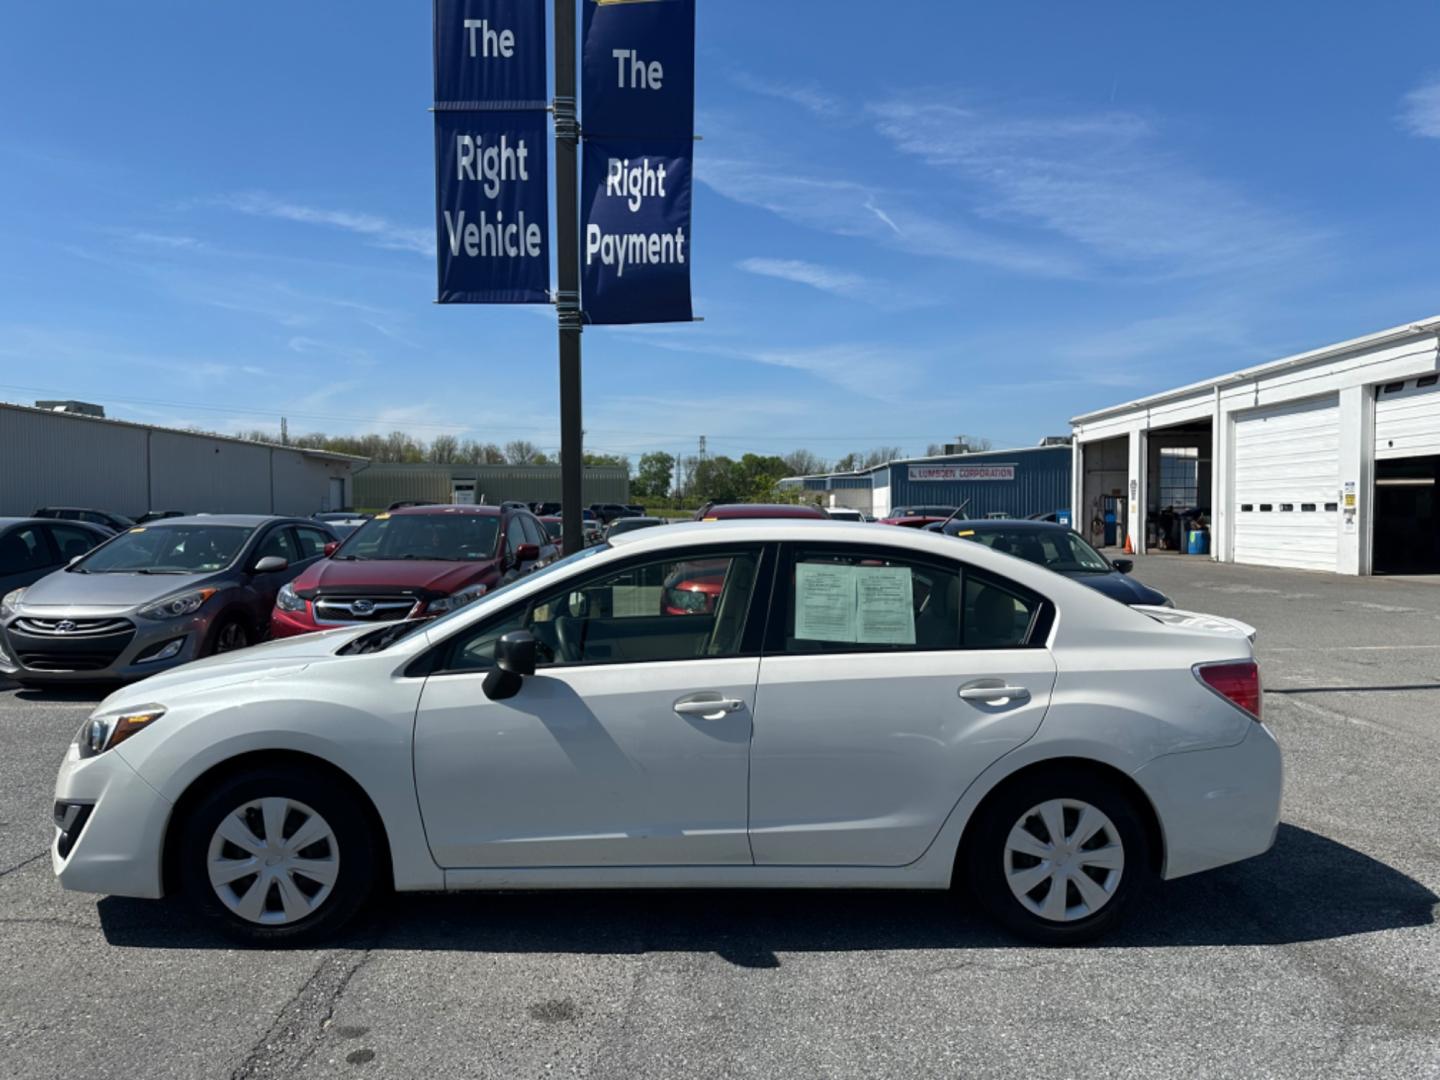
(492, 211)
(962, 472)
(638, 96)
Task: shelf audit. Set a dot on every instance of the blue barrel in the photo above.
(1199, 542)
(1110, 531)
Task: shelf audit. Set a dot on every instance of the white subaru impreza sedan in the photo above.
(784, 704)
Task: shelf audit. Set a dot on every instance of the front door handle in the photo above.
(990, 692)
(708, 706)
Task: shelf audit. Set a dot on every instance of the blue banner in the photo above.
(635, 239)
(490, 54)
(637, 74)
(638, 115)
(492, 207)
(492, 215)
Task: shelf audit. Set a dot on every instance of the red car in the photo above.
(413, 563)
(917, 517)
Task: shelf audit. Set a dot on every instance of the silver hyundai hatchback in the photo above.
(155, 596)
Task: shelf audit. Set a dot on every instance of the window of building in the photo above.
(1179, 476)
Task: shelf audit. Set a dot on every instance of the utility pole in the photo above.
(284, 432)
(567, 297)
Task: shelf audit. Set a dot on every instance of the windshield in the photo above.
(1064, 552)
(441, 537)
(168, 549)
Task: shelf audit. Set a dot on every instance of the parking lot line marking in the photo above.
(1349, 648)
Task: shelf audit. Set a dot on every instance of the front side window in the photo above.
(657, 610)
(278, 544)
(312, 542)
(168, 549)
(533, 533)
(71, 541)
(842, 600)
(514, 534)
(442, 537)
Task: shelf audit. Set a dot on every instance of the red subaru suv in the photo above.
(423, 560)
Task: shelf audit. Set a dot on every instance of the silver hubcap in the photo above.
(1063, 860)
(273, 861)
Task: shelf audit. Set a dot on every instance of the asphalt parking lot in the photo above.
(1321, 958)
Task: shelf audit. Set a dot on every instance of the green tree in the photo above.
(654, 476)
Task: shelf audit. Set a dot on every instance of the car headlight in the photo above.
(456, 600)
(287, 599)
(105, 732)
(174, 607)
(11, 600)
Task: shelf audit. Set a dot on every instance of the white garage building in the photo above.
(1328, 460)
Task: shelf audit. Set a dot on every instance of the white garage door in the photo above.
(1287, 485)
(1407, 418)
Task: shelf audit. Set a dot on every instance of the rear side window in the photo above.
(849, 600)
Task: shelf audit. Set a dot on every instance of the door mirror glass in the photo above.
(271, 564)
(527, 553)
(332, 547)
(1124, 565)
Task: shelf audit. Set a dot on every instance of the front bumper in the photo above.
(122, 656)
(1216, 806)
(120, 846)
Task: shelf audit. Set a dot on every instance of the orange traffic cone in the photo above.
(1129, 547)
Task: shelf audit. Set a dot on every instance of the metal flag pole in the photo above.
(567, 296)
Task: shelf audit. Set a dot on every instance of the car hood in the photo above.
(1120, 587)
(272, 660)
(339, 576)
(112, 592)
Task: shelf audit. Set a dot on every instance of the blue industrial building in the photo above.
(1009, 483)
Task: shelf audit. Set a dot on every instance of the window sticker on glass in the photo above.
(824, 602)
(858, 605)
(885, 607)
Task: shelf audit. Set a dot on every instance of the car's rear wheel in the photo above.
(1058, 856)
(277, 854)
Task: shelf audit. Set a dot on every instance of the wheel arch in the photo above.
(249, 762)
(1154, 833)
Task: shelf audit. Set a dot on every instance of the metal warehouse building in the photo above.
(1009, 483)
(379, 485)
(1327, 460)
(67, 459)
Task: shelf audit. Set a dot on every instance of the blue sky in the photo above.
(911, 220)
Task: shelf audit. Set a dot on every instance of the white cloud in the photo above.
(1420, 109)
(805, 95)
(381, 232)
(834, 280)
(848, 208)
(1097, 181)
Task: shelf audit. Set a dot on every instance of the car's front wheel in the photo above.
(1058, 856)
(277, 854)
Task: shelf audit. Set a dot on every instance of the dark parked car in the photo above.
(1062, 549)
(30, 548)
(155, 596)
(608, 512)
(412, 563)
(747, 511)
(158, 515)
(104, 518)
(629, 524)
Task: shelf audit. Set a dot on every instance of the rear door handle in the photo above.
(988, 691)
(708, 706)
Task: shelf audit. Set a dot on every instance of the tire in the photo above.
(1100, 875)
(230, 634)
(296, 895)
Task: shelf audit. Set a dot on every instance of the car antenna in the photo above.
(953, 514)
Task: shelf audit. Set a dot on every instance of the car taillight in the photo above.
(1238, 682)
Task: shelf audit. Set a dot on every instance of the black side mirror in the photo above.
(271, 564)
(1123, 565)
(515, 655)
